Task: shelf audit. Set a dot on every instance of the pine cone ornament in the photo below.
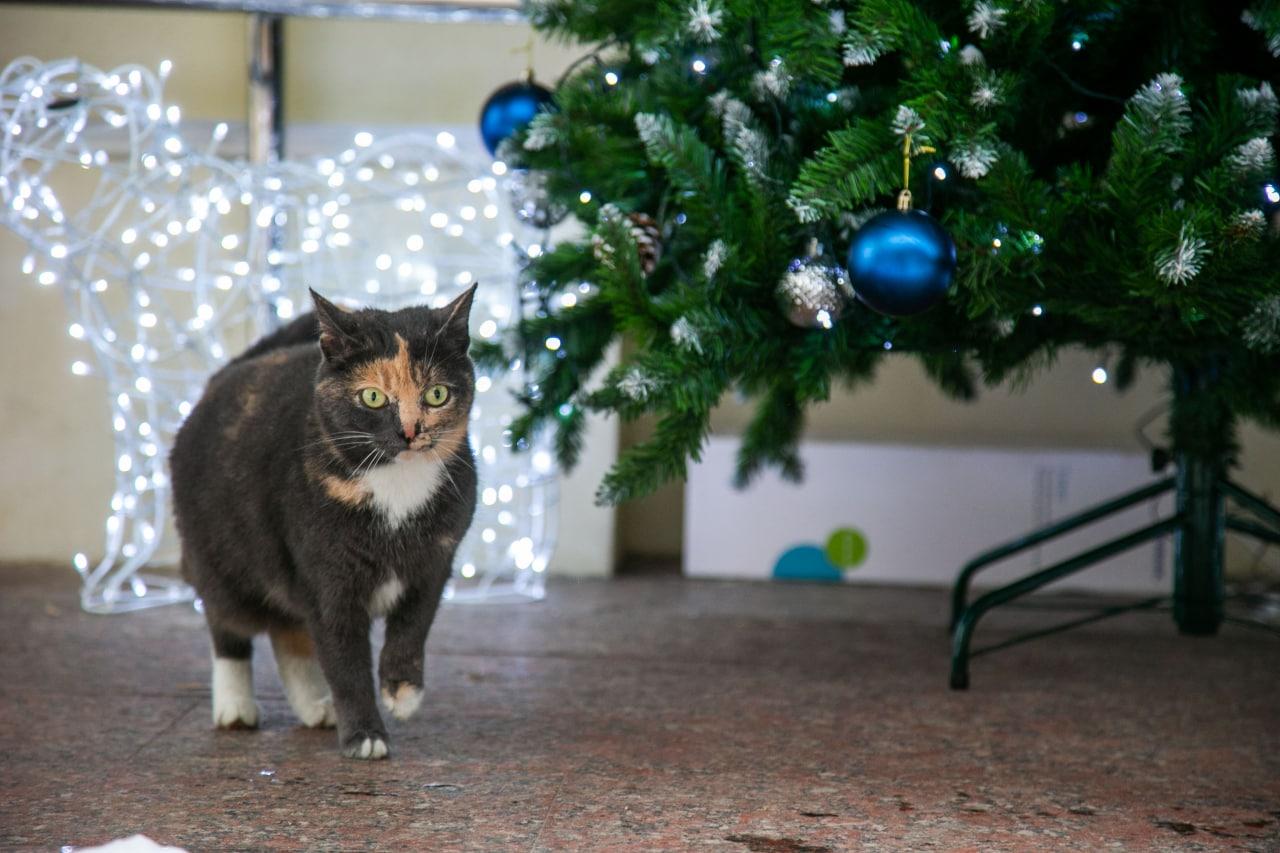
(644, 230)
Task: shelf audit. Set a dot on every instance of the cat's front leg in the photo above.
(400, 668)
(342, 644)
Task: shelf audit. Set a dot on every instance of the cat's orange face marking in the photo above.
(404, 383)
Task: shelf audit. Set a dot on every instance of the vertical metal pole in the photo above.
(265, 132)
(266, 115)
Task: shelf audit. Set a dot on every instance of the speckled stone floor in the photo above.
(655, 714)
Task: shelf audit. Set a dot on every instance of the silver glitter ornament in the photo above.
(530, 200)
(814, 293)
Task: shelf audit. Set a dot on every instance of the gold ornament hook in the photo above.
(904, 197)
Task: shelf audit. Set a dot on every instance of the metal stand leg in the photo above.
(266, 148)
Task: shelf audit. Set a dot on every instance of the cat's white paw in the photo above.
(404, 702)
(233, 705)
(367, 748)
(319, 714)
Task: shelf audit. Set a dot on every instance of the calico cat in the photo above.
(325, 479)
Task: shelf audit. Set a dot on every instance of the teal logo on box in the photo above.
(846, 549)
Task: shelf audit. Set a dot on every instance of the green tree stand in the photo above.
(1198, 525)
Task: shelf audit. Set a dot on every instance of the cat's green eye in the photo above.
(373, 398)
(436, 395)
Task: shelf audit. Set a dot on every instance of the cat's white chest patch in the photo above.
(400, 489)
(386, 596)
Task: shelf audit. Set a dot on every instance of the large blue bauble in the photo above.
(509, 109)
(901, 262)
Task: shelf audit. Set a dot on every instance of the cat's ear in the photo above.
(456, 316)
(340, 336)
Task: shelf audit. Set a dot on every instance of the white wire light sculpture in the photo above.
(179, 258)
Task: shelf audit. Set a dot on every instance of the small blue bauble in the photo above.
(509, 109)
(901, 262)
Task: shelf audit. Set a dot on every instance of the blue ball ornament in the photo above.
(509, 109)
(901, 262)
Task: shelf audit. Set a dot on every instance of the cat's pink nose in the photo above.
(410, 432)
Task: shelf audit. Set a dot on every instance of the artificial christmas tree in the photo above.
(1102, 167)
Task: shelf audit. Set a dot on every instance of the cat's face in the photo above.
(395, 384)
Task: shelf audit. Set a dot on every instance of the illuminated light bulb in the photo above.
(585, 197)
(454, 230)
(184, 408)
(489, 497)
(76, 331)
(553, 343)
(463, 278)
(1037, 311)
(363, 139)
(505, 494)
(336, 179)
(220, 131)
(439, 220)
(383, 262)
(372, 285)
(273, 183)
(445, 139)
(428, 287)
(341, 221)
(142, 260)
(505, 238)
(58, 250)
(205, 311)
(488, 534)
(215, 350)
(467, 212)
(483, 384)
(364, 173)
(122, 400)
(1272, 193)
(79, 368)
(568, 300)
(405, 269)
(149, 449)
(240, 268)
(140, 483)
(144, 429)
(138, 352)
(498, 167)
(143, 384)
(128, 235)
(173, 145)
(534, 250)
(81, 562)
(490, 211)
(125, 463)
(475, 185)
(888, 345)
(489, 453)
(611, 78)
(146, 319)
(118, 423)
(414, 243)
(431, 173)
(1099, 375)
(699, 65)
(542, 461)
(230, 241)
(270, 283)
(468, 570)
(223, 282)
(309, 246)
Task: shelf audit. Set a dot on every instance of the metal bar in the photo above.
(1097, 616)
(1250, 528)
(499, 11)
(1254, 503)
(964, 627)
(266, 90)
(960, 591)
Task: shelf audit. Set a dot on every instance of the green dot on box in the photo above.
(847, 547)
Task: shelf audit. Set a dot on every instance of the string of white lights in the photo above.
(172, 259)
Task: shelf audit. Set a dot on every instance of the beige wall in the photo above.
(55, 441)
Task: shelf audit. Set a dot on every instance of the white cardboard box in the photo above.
(923, 512)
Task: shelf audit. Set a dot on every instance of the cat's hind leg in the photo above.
(303, 681)
(233, 704)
